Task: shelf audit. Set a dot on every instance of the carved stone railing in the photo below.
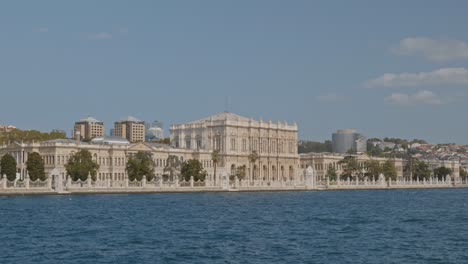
(38, 184)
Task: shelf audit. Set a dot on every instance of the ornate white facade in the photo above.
(112, 158)
(237, 137)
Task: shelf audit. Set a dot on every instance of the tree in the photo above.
(418, 169)
(172, 167)
(253, 157)
(441, 172)
(193, 168)
(215, 157)
(8, 167)
(331, 173)
(165, 141)
(410, 167)
(240, 173)
(305, 146)
(29, 136)
(80, 165)
(373, 169)
(350, 167)
(139, 165)
(35, 167)
(372, 150)
(389, 170)
(463, 173)
(351, 151)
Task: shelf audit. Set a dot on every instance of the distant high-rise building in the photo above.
(345, 140)
(88, 128)
(130, 128)
(154, 130)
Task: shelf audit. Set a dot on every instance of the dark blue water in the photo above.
(426, 226)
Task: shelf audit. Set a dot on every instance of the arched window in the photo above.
(291, 172)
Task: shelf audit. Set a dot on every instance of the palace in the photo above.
(235, 137)
(322, 161)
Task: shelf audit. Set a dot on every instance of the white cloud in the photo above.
(421, 97)
(41, 30)
(444, 76)
(433, 49)
(330, 98)
(101, 35)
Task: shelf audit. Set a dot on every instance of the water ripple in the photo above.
(427, 226)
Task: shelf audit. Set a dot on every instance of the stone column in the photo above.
(4, 181)
(310, 178)
(89, 180)
(68, 182)
(143, 181)
(26, 181)
(191, 181)
(225, 181)
(49, 181)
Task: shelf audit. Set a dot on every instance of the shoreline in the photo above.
(211, 190)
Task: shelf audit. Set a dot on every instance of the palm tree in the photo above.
(215, 158)
(253, 157)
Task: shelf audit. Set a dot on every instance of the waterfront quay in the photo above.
(309, 182)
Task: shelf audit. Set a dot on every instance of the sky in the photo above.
(386, 68)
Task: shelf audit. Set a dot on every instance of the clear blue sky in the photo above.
(319, 63)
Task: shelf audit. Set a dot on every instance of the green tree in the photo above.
(350, 167)
(253, 157)
(463, 173)
(193, 168)
(331, 173)
(165, 141)
(351, 151)
(80, 165)
(172, 168)
(139, 165)
(8, 167)
(421, 170)
(441, 172)
(240, 173)
(35, 167)
(373, 151)
(29, 136)
(373, 169)
(389, 170)
(215, 157)
(410, 167)
(305, 146)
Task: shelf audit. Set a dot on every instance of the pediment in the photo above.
(140, 147)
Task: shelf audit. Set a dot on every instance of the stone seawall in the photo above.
(75, 191)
